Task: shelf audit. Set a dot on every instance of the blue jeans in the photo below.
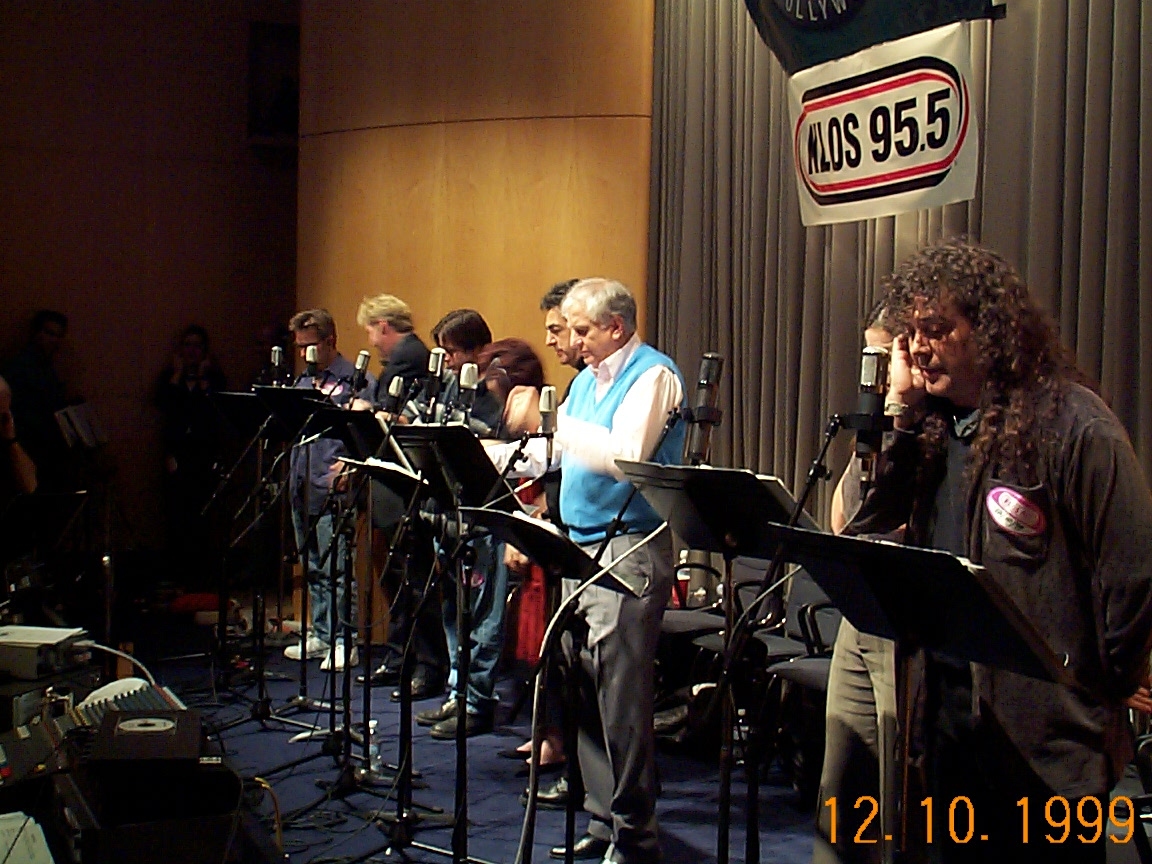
(319, 581)
(489, 592)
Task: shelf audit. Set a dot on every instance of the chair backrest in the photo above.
(747, 580)
(798, 592)
(802, 591)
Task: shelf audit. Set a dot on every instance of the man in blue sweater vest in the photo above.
(616, 409)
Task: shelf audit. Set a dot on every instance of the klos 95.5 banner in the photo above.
(886, 130)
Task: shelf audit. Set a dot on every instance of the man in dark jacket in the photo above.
(1002, 455)
(387, 321)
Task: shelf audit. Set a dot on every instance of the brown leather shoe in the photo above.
(587, 848)
(436, 715)
(474, 724)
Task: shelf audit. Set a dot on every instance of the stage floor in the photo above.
(344, 830)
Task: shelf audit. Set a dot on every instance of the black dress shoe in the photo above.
(474, 724)
(424, 685)
(554, 797)
(587, 848)
(382, 677)
(436, 715)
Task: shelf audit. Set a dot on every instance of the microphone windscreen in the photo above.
(362, 361)
(548, 408)
(310, 355)
(469, 376)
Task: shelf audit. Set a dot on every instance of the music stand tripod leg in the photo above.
(463, 661)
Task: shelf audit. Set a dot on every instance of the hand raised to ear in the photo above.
(522, 410)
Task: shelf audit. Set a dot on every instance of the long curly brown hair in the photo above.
(1024, 366)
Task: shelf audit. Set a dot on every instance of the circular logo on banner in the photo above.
(818, 14)
(883, 132)
(1014, 513)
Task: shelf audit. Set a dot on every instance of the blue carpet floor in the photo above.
(344, 830)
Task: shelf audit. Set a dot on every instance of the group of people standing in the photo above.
(616, 408)
(1001, 452)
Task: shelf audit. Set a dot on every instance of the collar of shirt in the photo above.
(965, 423)
(610, 367)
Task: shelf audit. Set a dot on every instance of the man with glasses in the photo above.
(313, 482)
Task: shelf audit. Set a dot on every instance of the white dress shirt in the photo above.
(636, 423)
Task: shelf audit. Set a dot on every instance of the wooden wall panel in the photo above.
(411, 61)
(486, 215)
(134, 203)
(472, 154)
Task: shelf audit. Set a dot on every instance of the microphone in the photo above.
(391, 403)
(469, 381)
(704, 413)
(434, 381)
(548, 417)
(277, 366)
(310, 361)
(361, 375)
(871, 421)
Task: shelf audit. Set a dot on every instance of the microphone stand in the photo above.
(261, 709)
(738, 634)
(222, 606)
(301, 700)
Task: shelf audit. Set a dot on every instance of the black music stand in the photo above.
(708, 507)
(250, 417)
(559, 557)
(247, 415)
(360, 431)
(922, 598)
(404, 822)
(294, 407)
(459, 473)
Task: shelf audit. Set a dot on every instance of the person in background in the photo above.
(38, 393)
(860, 728)
(190, 439)
(387, 322)
(558, 337)
(17, 471)
(465, 337)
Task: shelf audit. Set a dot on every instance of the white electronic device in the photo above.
(34, 652)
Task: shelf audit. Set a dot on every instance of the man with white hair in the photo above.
(617, 408)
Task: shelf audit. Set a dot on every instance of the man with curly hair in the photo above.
(1003, 455)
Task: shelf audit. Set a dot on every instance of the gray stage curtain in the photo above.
(1064, 195)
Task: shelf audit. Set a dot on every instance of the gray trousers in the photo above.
(859, 751)
(613, 654)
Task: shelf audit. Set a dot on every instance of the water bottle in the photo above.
(375, 763)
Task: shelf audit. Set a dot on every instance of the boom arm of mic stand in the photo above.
(227, 478)
(259, 517)
(517, 455)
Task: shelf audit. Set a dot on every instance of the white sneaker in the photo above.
(316, 648)
(334, 660)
